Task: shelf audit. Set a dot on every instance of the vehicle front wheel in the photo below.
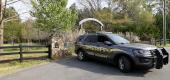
(81, 56)
(124, 64)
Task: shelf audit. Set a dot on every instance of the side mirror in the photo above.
(108, 43)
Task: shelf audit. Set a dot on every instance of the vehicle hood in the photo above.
(138, 46)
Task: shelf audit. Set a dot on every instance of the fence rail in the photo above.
(21, 52)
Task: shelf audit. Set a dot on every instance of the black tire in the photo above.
(124, 64)
(81, 56)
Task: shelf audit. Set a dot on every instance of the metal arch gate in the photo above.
(91, 19)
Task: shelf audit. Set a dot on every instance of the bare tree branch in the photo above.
(15, 16)
(13, 2)
(4, 10)
(9, 20)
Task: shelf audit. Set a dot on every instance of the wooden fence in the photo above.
(21, 52)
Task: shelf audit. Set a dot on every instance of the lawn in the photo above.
(12, 66)
(167, 45)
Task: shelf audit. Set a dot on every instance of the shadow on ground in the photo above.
(100, 68)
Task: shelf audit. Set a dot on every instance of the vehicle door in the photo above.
(106, 50)
(90, 45)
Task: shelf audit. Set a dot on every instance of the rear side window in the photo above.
(80, 38)
(91, 39)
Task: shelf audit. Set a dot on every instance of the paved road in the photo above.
(72, 69)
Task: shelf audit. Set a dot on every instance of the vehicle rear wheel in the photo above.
(124, 64)
(81, 56)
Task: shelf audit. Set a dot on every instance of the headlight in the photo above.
(142, 53)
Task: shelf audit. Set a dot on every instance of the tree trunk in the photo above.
(1, 35)
(1, 26)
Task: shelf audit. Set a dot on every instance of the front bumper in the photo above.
(159, 58)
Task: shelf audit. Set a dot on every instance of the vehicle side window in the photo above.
(79, 39)
(91, 39)
(102, 39)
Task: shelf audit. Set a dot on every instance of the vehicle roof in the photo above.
(99, 33)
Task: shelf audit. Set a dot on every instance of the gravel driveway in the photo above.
(72, 69)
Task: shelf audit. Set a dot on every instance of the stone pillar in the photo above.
(57, 46)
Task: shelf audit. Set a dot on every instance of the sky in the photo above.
(70, 2)
(21, 8)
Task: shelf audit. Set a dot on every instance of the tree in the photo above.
(52, 16)
(93, 5)
(4, 19)
(95, 9)
(30, 32)
(127, 16)
(159, 18)
(12, 29)
(168, 6)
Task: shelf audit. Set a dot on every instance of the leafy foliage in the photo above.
(12, 29)
(127, 16)
(52, 15)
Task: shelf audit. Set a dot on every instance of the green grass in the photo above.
(167, 45)
(10, 67)
(25, 49)
(11, 44)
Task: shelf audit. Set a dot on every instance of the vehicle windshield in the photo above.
(118, 40)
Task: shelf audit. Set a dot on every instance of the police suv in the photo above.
(105, 46)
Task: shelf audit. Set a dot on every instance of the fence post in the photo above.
(50, 52)
(20, 52)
